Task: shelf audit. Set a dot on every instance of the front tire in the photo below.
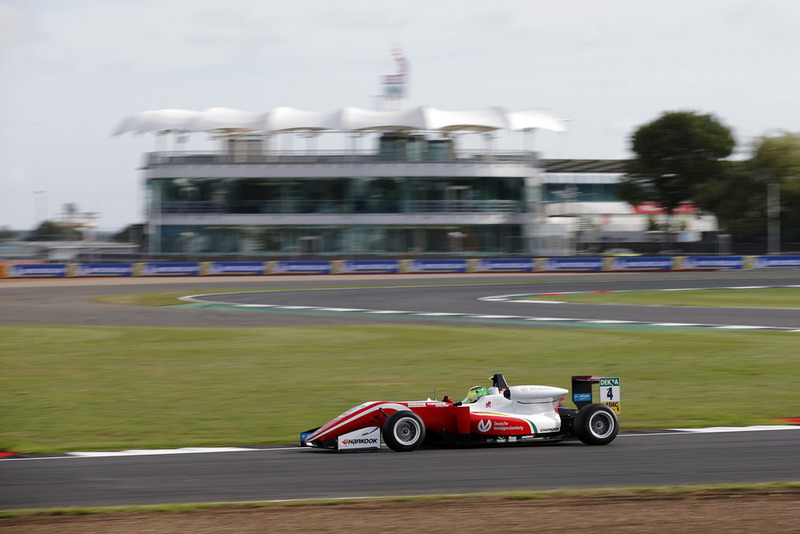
(596, 424)
(403, 431)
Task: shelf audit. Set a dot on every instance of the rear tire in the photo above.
(596, 424)
(403, 431)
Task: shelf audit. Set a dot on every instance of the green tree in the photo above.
(50, 231)
(738, 197)
(6, 233)
(776, 160)
(673, 154)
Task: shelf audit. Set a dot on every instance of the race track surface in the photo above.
(69, 301)
(291, 473)
(298, 473)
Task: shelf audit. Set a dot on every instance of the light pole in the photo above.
(40, 206)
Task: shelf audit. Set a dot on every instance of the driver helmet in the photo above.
(475, 393)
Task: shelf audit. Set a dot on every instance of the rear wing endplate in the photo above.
(607, 391)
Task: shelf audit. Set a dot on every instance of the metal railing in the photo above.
(353, 206)
(335, 157)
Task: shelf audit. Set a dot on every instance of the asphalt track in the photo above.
(484, 303)
(295, 473)
(69, 301)
(292, 473)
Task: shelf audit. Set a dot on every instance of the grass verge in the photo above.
(106, 388)
(649, 493)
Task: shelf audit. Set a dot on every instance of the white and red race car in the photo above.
(496, 414)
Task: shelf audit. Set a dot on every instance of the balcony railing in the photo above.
(335, 157)
(353, 206)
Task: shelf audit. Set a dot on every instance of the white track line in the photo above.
(515, 298)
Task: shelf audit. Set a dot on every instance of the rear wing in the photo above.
(607, 392)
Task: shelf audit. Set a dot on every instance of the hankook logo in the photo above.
(360, 441)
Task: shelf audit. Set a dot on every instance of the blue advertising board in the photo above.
(639, 263)
(503, 265)
(167, 269)
(211, 268)
(36, 270)
(366, 266)
(711, 262)
(299, 267)
(775, 262)
(101, 269)
(433, 266)
(571, 264)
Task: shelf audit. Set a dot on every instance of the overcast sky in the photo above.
(71, 70)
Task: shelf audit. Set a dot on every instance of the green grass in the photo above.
(98, 388)
(755, 490)
(748, 298)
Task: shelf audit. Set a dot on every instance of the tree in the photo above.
(50, 231)
(6, 233)
(776, 160)
(739, 197)
(673, 154)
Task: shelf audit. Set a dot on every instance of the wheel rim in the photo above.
(601, 425)
(407, 431)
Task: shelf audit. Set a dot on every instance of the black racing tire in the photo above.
(403, 431)
(596, 424)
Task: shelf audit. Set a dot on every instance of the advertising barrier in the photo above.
(366, 266)
(708, 262)
(772, 262)
(299, 267)
(638, 263)
(211, 268)
(100, 269)
(36, 270)
(166, 269)
(433, 266)
(501, 266)
(569, 264)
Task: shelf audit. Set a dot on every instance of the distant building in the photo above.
(414, 191)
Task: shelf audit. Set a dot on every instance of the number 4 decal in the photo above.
(610, 394)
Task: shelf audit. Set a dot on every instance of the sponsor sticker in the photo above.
(712, 262)
(775, 262)
(497, 426)
(211, 268)
(610, 393)
(571, 264)
(166, 269)
(100, 269)
(363, 438)
(366, 266)
(502, 265)
(35, 270)
(299, 267)
(434, 266)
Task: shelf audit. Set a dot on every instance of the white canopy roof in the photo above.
(287, 119)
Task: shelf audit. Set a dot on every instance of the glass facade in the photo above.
(410, 196)
(338, 195)
(288, 240)
(224, 197)
(591, 192)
